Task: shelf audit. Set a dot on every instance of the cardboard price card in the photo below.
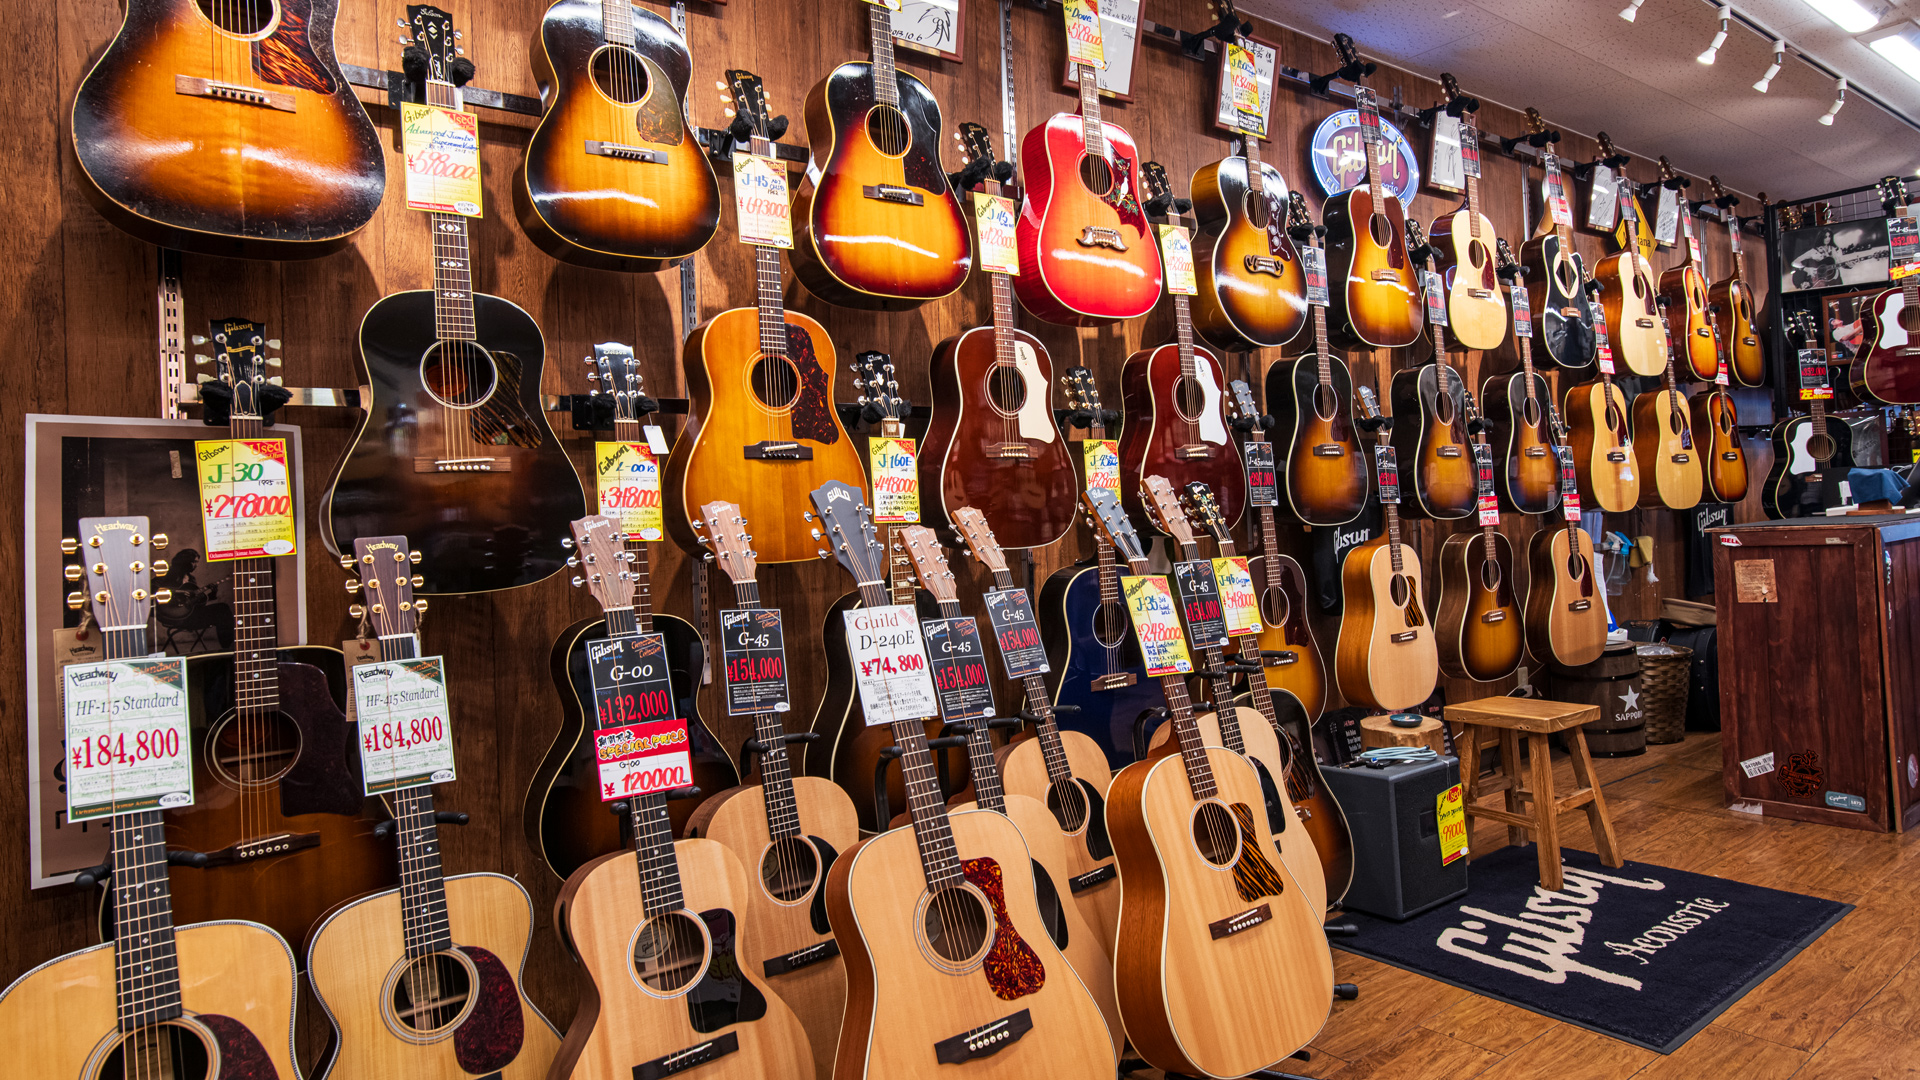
(959, 668)
(631, 682)
(1156, 625)
(1522, 312)
(1200, 603)
(442, 148)
(760, 201)
(401, 709)
(993, 217)
(890, 664)
(1432, 285)
(1010, 613)
(628, 477)
(127, 743)
(1386, 473)
(1238, 602)
(1602, 348)
(1815, 383)
(246, 498)
(1102, 458)
(1451, 814)
(1313, 264)
(1903, 247)
(896, 481)
(1263, 484)
(1176, 251)
(640, 759)
(1243, 85)
(753, 644)
(1557, 202)
(1720, 373)
(1083, 33)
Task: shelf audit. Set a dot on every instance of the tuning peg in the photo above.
(815, 533)
(346, 562)
(412, 557)
(353, 586)
(573, 562)
(420, 606)
(202, 359)
(822, 554)
(161, 566)
(273, 343)
(68, 545)
(357, 611)
(567, 542)
(274, 361)
(162, 596)
(807, 515)
(159, 541)
(578, 581)
(400, 22)
(417, 580)
(73, 573)
(274, 379)
(76, 600)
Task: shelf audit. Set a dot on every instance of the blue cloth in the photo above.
(1869, 485)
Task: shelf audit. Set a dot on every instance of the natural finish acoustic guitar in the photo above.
(1529, 476)
(1557, 281)
(1566, 605)
(424, 980)
(1429, 403)
(1464, 241)
(1628, 293)
(1684, 288)
(1602, 436)
(614, 178)
(1325, 478)
(1723, 458)
(1663, 444)
(1376, 296)
(1477, 630)
(1733, 299)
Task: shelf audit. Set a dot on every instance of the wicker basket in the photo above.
(1664, 671)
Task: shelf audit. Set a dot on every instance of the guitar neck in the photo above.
(630, 431)
(1323, 349)
(146, 968)
(452, 263)
(886, 82)
(423, 894)
(1219, 678)
(256, 630)
(1193, 747)
(776, 768)
(773, 309)
(616, 22)
(657, 861)
(1052, 751)
(1256, 178)
(1526, 364)
(1094, 131)
(984, 768)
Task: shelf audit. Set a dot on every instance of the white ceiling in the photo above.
(1587, 70)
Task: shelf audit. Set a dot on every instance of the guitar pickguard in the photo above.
(723, 996)
(490, 1037)
(241, 1055)
(812, 414)
(501, 420)
(1012, 968)
(286, 56)
(1036, 417)
(1123, 198)
(1213, 425)
(657, 120)
(1253, 875)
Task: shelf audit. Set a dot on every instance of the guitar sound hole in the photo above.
(1255, 207)
(1110, 625)
(1563, 272)
(619, 74)
(955, 923)
(1489, 575)
(1275, 608)
(1097, 174)
(1216, 834)
(1189, 398)
(670, 951)
(1068, 805)
(1380, 228)
(459, 374)
(1399, 591)
(776, 382)
(1530, 412)
(1820, 447)
(1616, 420)
(254, 18)
(1477, 254)
(253, 752)
(432, 993)
(1909, 319)
(1576, 566)
(1443, 409)
(887, 130)
(788, 869)
(1007, 389)
(1326, 403)
(172, 1050)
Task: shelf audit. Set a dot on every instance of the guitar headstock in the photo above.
(1723, 198)
(972, 526)
(1240, 403)
(1204, 509)
(726, 536)
(976, 146)
(1505, 262)
(600, 555)
(1417, 243)
(848, 529)
(930, 563)
(749, 96)
(1110, 518)
(1449, 85)
(1369, 402)
(1157, 192)
(1349, 53)
(1555, 424)
(117, 566)
(1790, 217)
(1471, 409)
(613, 370)
(1893, 194)
(385, 585)
(1801, 325)
(879, 390)
(1163, 506)
(240, 361)
(1300, 224)
(1082, 395)
(434, 35)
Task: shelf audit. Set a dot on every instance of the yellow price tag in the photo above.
(1243, 84)
(1156, 623)
(1237, 600)
(993, 215)
(1176, 251)
(442, 148)
(1102, 457)
(760, 201)
(246, 498)
(1451, 812)
(627, 476)
(896, 481)
(1083, 33)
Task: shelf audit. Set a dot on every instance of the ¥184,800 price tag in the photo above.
(890, 664)
(127, 745)
(1176, 249)
(959, 668)
(401, 709)
(1010, 612)
(246, 498)
(628, 477)
(1238, 602)
(896, 481)
(640, 746)
(1156, 624)
(993, 217)
(1200, 603)
(760, 201)
(1102, 458)
(1263, 486)
(753, 644)
(442, 150)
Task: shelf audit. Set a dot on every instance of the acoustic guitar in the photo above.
(992, 443)
(1428, 404)
(1812, 454)
(228, 129)
(1464, 240)
(1376, 295)
(1518, 402)
(1723, 460)
(566, 824)
(1385, 657)
(189, 1002)
(613, 177)
(1684, 288)
(453, 449)
(875, 224)
(1566, 606)
(950, 970)
(424, 980)
(1325, 477)
(761, 427)
(1628, 293)
(1663, 445)
(1557, 283)
(1602, 434)
(788, 828)
(1734, 319)
(1087, 255)
(1220, 964)
(1173, 419)
(1478, 630)
(666, 934)
(1888, 368)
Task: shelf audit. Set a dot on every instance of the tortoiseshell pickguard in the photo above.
(241, 1055)
(657, 120)
(812, 414)
(1253, 875)
(1013, 969)
(286, 56)
(490, 1037)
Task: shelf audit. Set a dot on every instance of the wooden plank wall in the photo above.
(79, 303)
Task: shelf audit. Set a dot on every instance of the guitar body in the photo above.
(1285, 628)
(1095, 663)
(1663, 444)
(1723, 460)
(1629, 298)
(1434, 452)
(1746, 357)
(597, 209)
(1385, 656)
(1313, 805)
(1373, 285)
(795, 920)
(1889, 372)
(992, 443)
(358, 959)
(925, 250)
(480, 530)
(1566, 607)
(1084, 842)
(237, 987)
(566, 823)
(726, 417)
(1556, 291)
(292, 176)
(900, 1004)
(1086, 258)
(1476, 310)
(1528, 471)
(1326, 472)
(1177, 428)
(627, 1021)
(1686, 294)
(1602, 438)
(1194, 1003)
(1480, 635)
(1253, 293)
(1807, 468)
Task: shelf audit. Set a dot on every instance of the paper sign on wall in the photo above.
(127, 743)
(1176, 250)
(1156, 624)
(890, 664)
(1237, 599)
(1243, 85)
(896, 481)
(628, 477)
(1102, 458)
(246, 498)
(1451, 813)
(760, 201)
(442, 148)
(401, 708)
(993, 217)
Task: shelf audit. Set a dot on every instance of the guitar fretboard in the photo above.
(1093, 130)
(452, 265)
(886, 83)
(631, 431)
(423, 894)
(616, 21)
(658, 863)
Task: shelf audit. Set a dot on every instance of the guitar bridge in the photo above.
(1385, 274)
(1701, 332)
(1580, 605)
(1010, 450)
(262, 847)
(1282, 658)
(1119, 680)
(1328, 449)
(464, 464)
(1494, 617)
(1194, 452)
(983, 1041)
(1749, 341)
(681, 1060)
(1101, 236)
(1729, 455)
(225, 91)
(1265, 264)
(1091, 878)
(799, 958)
(777, 451)
(1246, 920)
(1534, 451)
(1682, 459)
(1448, 451)
(1404, 636)
(1616, 456)
(1479, 294)
(1644, 324)
(893, 193)
(625, 153)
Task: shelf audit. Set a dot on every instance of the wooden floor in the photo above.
(1847, 1008)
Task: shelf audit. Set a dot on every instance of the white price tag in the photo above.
(656, 440)
(1176, 249)
(890, 664)
(401, 708)
(127, 743)
(760, 200)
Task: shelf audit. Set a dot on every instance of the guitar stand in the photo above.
(1373, 424)
(1226, 30)
(622, 808)
(1353, 72)
(1539, 140)
(1585, 172)
(754, 746)
(882, 806)
(1140, 724)
(440, 817)
(1456, 106)
(103, 873)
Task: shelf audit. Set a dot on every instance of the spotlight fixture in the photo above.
(1779, 57)
(1632, 9)
(1839, 99)
(1719, 38)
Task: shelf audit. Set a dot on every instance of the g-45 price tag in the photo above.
(1200, 603)
(896, 481)
(890, 664)
(1010, 613)
(753, 645)
(246, 498)
(1602, 348)
(127, 744)
(1313, 263)
(1432, 285)
(1163, 646)
(760, 201)
(628, 477)
(1488, 503)
(993, 217)
(640, 747)
(1815, 383)
(1522, 311)
(401, 708)
(1176, 252)
(959, 668)
(1102, 457)
(1238, 603)
(442, 150)
(1263, 487)
(1386, 472)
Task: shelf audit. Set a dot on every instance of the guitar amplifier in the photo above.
(1394, 815)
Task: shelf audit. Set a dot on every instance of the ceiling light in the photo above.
(1719, 39)
(1631, 10)
(1839, 99)
(1901, 52)
(1848, 15)
(1779, 57)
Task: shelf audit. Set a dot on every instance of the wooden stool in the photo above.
(1379, 731)
(1536, 719)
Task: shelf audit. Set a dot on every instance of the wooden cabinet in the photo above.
(1819, 697)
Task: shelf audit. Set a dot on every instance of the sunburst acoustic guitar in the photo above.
(1325, 476)
(1376, 299)
(1733, 297)
(1429, 404)
(1557, 282)
(1628, 292)
(1477, 630)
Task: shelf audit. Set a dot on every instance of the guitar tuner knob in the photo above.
(417, 580)
(807, 515)
(73, 572)
(159, 541)
(76, 600)
(356, 611)
(162, 567)
(815, 532)
(567, 542)
(353, 585)
(578, 581)
(573, 562)
(420, 607)
(198, 339)
(273, 343)
(413, 557)
(202, 359)
(822, 554)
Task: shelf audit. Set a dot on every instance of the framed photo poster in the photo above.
(932, 26)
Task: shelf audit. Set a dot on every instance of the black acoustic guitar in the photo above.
(1811, 454)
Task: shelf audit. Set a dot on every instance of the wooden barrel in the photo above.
(1613, 683)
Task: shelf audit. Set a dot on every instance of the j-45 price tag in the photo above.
(1238, 602)
(1313, 263)
(760, 201)
(1200, 603)
(1386, 472)
(1176, 252)
(628, 477)
(1815, 383)
(896, 481)
(401, 708)
(890, 664)
(754, 647)
(1262, 484)
(1156, 625)
(993, 217)
(959, 668)
(246, 498)
(127, 744)
(1010, 613)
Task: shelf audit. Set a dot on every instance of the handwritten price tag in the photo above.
(760, 201)
(1243, 83)
(1237, 600)
(628, 477)
(1156, 624)
(127, 743)
(1176, 249)
(442, 148)
(896, 481)
(246, 498)
(1451, 813)
(890, 664)
(1083, 33)
(959, 668)
(1102, 458)
(1010, 613)
(753, 644)
(401, 708)
(993, 216)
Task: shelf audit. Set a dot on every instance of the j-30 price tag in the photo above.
(405, 740)
(127, 743)
(1156, 624)
(246, 498)
(1102, 459)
